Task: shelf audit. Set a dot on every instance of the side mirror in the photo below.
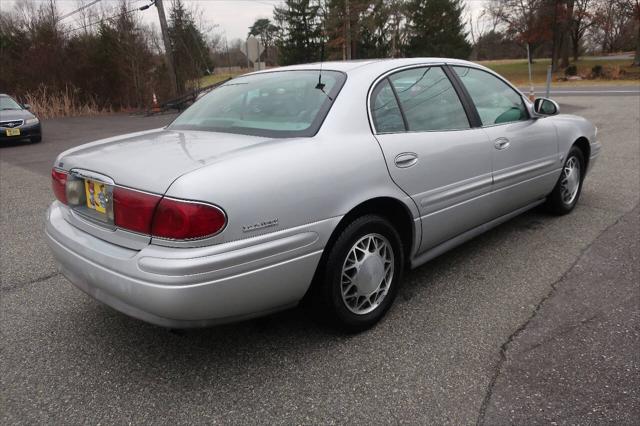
(26, 106)
(544, 106)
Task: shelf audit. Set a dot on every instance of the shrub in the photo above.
(597, 71)
(571, 70)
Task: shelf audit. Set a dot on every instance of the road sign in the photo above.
(252, 49)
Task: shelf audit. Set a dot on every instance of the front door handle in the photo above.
(501, 143)
(406, 159)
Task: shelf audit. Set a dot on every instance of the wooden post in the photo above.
(168, 54)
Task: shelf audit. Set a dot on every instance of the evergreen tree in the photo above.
(375, 30)
(189, 48)
(300, 36)
(435, 28)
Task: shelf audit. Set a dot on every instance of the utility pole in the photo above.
(168, 56)
(348, 30)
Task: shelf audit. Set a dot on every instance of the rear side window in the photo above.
(496, 101)
(428, 100)
(387, 117)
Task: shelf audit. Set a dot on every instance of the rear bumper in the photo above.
(182, 288)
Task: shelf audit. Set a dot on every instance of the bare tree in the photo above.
(581, 21)
(525, 21)
(614, 24)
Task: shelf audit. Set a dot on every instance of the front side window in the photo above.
(495, 100)
(428, 100)
(275, 104)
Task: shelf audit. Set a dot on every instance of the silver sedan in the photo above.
(319, 183)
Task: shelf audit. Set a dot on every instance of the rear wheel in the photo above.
(566, 193)
(360, 278)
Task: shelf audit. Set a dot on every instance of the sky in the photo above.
(231, 18)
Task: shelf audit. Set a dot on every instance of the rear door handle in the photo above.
(406, 159)
(501, 143)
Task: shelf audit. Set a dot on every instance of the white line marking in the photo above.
(590, 91)
(595, 91)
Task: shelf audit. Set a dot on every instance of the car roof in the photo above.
(363, 64)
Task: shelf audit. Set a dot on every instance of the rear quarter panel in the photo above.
(297, 181)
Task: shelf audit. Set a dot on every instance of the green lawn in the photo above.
(515, 70)
(214, 78)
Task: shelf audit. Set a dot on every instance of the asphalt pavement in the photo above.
(536, 321)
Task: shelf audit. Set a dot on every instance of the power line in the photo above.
(109, 18)
(73, 12)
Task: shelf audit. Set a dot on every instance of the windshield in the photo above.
(8, 103)
(276, 104)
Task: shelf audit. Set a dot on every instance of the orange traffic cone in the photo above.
(155, 107)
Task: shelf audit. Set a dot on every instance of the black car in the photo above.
(17, 123)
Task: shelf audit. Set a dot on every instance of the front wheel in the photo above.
(360, 278)
(566, 193)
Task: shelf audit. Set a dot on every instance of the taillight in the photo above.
(58, 184)
(182, 220)
(146, 213)
(133, 210)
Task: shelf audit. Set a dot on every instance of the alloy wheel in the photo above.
(570, 180)
(367, 274)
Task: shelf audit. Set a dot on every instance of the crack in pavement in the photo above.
(34, 281)
(563, 332)
(505, 346)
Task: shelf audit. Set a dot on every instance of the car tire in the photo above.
(566, 193)
(368, 250)
(36, 139)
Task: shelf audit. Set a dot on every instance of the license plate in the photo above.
(97, 196)
(13, 132)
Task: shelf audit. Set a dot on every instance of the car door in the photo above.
(432, 151)
(525, 149)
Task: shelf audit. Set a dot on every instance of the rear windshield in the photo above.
(276, 104)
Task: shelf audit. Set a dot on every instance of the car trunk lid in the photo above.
(147, 161)
(151, 161)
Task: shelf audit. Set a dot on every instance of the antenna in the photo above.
(320, 85)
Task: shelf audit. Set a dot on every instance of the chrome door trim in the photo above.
(441, 248)
(515, 172)
(454, 190)
(382, 77)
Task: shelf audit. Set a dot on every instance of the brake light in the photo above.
(58, 184)
(182, 220)
(133, 210)
(151, 214)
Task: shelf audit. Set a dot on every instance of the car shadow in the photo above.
(294, 331)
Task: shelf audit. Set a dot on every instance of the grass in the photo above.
(213, 79)
(47, 104)
(515, 70)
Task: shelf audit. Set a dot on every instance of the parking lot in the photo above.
(536, 321)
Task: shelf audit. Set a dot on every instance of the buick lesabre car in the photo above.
(312, 182)
(17, 123)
